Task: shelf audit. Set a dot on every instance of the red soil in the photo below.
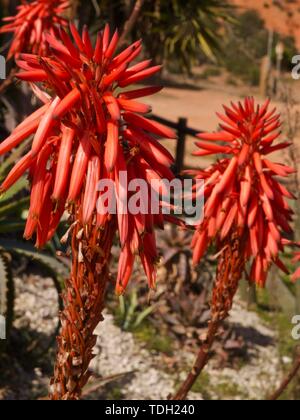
(283, 16)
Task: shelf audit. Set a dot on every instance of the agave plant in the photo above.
(246, 213)
(173, 245)
(13, 206)
(184, 290)
(179, 30)
(176, 31)
(129, 314)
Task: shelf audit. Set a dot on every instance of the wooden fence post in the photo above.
(180, 151)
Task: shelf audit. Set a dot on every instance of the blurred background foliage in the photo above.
(185, 34)
(174, 32)
(249, 39)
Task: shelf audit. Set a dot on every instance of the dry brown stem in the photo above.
(83, 305)
(230, 269)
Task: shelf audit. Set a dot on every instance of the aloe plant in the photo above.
(12, 222)
(11, 207)
(130, 316)
(6, 293)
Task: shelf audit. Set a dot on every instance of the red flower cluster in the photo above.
(90, 129)
(241, 191)
(32, 22)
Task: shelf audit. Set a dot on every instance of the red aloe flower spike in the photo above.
(112, 46)
(98, 49)
(66, 40)
(246, 188)
(38, 182)
(63, 163)
(245, 213)
(227, 176)
(112, 106)
(34, 116)
(33, 21)
(17, 137)
(79, 167)
(140, 93)
(45, 214)
(254, 183)
(138, 77)
(125, 269)
(90, 193)
(106, 37)
(44, 127)
(111, 148)
(147, 125)
(121, 191)
(114, 76)
(17, 171)
(71, 99)
(40, 186)
(93, 131)
(214, 148)
(134, 106)
(220, 136)
(88, 48)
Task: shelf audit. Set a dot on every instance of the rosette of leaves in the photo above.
(183, 295)
(184, 289)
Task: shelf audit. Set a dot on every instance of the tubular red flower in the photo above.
(45, 214)
(18, 136)
(79, 168)
(63, 163)
(112, 143)
(17, 171)
(90, 193)
(125, 269)
(38, 182)
(242, 195)
(44, 128)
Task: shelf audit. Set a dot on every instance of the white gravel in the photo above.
(118, 352)
(36, 304)
(256, 379)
